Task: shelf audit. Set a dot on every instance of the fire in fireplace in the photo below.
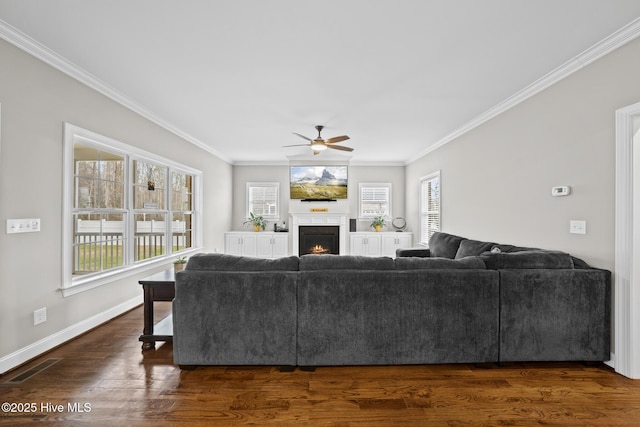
(319, 249)
(319, 240)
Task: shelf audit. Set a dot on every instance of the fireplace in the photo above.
(319, 240)
(319, 219)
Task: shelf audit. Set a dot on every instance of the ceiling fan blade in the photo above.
(302, 136)
(340, 147)
(296, 145)
(337, 139)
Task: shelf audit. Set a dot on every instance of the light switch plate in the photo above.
(577, 227)
(26, 225)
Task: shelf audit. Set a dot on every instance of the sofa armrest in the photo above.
(555, 315)
(235, 318)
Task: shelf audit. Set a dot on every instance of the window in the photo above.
(429, 206)
(262, 199)
(375, 200)
(123, 208)
(99, 213)
(149, 210)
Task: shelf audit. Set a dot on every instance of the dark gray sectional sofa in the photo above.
(460, 301)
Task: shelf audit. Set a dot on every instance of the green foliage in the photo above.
(256, 220)
(378, 221)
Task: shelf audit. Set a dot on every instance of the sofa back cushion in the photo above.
(527, 260)
(413, 252)
(415, 263)
(470, 247)
(349, 262)
(223, 262)
(444, 245)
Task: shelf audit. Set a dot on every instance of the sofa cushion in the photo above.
(580, 263)
(413, 252)
(415, 263)
(444, 245)
(473, 248)
(223, 262)
(511, 248)
(528, 260)
(349, 262)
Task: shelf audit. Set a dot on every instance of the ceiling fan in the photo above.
(319, 144)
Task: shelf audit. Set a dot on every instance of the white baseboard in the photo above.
(611, 362)
(27, 353)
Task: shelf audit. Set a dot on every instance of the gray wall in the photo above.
(35, 101)
(497, 179)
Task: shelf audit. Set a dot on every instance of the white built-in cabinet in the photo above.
(393, 241)
(365, 244)
(261, 244)
(378, 244)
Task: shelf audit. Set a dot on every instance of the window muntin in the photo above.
(430, 215)
(375, 200)
(263, 199)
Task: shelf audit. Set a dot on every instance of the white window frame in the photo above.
(424, 181)
(74, 134)
(368, 185)
(276, 186)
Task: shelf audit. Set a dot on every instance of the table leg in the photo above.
(148, 318)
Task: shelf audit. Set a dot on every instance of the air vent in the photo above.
(33, 371)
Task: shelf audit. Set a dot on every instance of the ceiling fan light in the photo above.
(318, 146)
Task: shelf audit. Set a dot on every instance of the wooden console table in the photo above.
(157, 287)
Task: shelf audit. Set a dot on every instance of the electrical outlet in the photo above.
(40, 316)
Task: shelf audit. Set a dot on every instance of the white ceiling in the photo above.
(239, 76)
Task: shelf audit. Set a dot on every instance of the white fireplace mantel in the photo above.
(318, 219)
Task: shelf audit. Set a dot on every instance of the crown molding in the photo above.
(48, 56)
(621, 37)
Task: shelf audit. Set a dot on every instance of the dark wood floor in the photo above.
(122, 386)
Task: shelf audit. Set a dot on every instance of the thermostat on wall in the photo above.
(563, 190)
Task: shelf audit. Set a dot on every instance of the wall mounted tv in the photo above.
(318, 183)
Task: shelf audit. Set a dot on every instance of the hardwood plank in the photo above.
(124, 386)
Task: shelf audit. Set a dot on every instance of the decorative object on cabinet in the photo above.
(257, 220)
(399, 223)
(179, 263)
(377, 223)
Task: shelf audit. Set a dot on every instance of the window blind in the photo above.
(429, 206)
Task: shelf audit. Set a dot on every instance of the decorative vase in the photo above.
(378, 227)
(256, 228)
(178, 267)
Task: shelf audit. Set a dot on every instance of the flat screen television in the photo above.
(318, 182)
